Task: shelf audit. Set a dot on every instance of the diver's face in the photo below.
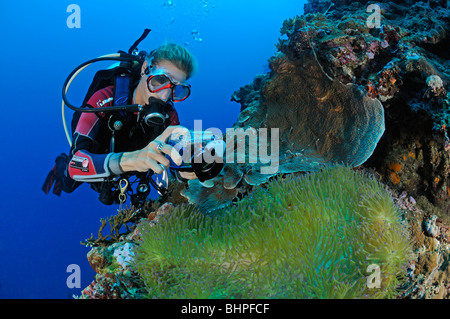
(165, 67)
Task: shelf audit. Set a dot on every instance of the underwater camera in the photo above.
(201, 151)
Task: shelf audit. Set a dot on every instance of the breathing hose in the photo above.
(74, 74)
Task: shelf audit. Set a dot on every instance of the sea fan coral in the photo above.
(308, 236)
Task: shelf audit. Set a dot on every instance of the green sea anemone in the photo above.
(313, 236)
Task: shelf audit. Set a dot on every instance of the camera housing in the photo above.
(201, 152)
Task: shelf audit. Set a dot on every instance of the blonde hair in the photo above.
(176, 54)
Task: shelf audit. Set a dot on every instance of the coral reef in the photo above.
(112, 260)
(115, 278)
(428, 272)
(404, 62)
(320, 121)
(116, 224)
(393, 55)
(281, 241)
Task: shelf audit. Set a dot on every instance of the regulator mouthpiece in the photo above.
(154, 113)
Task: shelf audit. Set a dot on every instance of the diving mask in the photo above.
(161, 81)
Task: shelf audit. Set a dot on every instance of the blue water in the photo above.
(40, 234)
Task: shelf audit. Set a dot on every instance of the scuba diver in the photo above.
(123, 126)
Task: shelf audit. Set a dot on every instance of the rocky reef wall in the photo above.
(396, 52)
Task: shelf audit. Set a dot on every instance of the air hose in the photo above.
(74, 74)
(132, 56)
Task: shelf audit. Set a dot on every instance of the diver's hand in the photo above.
(150, 157)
